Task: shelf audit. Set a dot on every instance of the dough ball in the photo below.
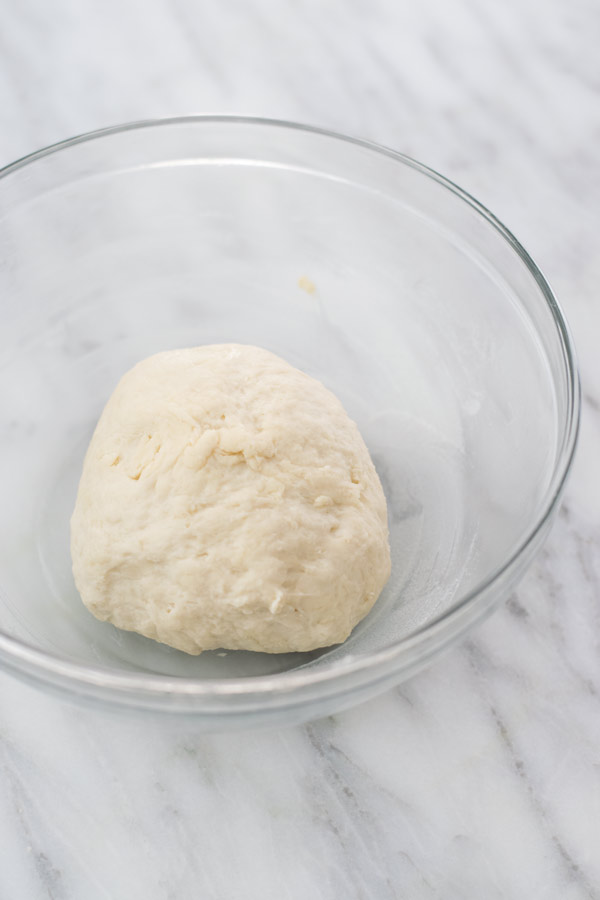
(227, 500)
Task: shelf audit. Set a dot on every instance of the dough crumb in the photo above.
(307, 285)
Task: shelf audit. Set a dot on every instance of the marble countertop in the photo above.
(480, 778)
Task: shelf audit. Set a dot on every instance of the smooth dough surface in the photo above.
(228, 501)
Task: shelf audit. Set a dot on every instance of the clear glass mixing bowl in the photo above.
(362, 267)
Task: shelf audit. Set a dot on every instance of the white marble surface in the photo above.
(481, 777)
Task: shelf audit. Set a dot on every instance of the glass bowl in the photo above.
(358, 265)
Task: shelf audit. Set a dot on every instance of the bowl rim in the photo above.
(35, 664)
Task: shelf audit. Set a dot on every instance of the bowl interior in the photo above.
(355, 267)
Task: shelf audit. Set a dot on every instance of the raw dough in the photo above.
(227, 500)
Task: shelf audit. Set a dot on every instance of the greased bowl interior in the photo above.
(358, 265)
